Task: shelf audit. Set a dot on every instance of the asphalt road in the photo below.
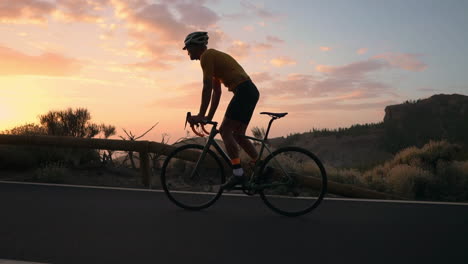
(52, 224)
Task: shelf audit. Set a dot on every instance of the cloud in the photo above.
(159, 29)
(294, 86)
(252, 10)
(353, 69)
(249, 28)
(79, 10)
(239, 49)
(197, 15)
(25, 11)
(262, 46)
(336, 104)
(258, 10)
(157, 65)
(282, 61)
(188, 94)
(50, 64)
(361, 51)
(347, 82)
(324, 48)
(406, 61)
(38, 11)
(274, 39)
(157, 18)
(261, 77)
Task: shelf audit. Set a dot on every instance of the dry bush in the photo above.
(347, 176)
(430, 172)
(409, 181)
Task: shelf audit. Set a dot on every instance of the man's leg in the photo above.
(245, 143)
(227, 133)
(227, 130)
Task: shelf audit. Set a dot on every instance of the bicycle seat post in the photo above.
(269, 126)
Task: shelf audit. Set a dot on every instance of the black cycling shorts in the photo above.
(243, 103)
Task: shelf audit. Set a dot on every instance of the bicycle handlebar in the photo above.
(203, 132)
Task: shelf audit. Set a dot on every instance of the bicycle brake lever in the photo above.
(204, 130)
(187, 118)
(196, 132)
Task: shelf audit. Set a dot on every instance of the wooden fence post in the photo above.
(145, 169)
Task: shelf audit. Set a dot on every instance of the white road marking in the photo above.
(7, 261)
(230, 194)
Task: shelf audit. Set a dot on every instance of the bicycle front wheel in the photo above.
(294, 181)
(192, 182)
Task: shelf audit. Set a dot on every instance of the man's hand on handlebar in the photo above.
(197, 119)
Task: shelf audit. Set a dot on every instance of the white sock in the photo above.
(238, 172)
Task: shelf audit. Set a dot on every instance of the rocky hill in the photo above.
(413, 123)
(416, 122)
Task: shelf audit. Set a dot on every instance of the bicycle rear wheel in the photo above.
(189, 187)
(294, 181)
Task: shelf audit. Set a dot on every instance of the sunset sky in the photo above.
(328, 63)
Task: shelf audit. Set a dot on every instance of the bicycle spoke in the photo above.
(296, 182)
(189, 182)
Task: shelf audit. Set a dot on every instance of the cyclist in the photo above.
(219, 67)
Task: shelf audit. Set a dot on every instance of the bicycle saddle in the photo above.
(276, 115)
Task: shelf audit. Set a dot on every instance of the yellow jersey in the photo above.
(222, 66)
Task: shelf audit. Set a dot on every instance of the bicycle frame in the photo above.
(212, 142)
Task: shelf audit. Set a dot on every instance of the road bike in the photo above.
(291, 180)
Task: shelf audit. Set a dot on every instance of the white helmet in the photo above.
(197, 38)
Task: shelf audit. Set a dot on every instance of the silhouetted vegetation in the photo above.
(354, 130)
(436, 171)
(69, 122)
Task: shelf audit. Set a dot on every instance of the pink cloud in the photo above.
(324, 48)
(261, 77)
(239, 49)
(249, 28)
(353, 69)
(50, 64)
(348, 82)
(282, 61)
(262, 46)
(160, 31)
(406, 61)
(251, 10)
(361, 51)
(151, 65)
(197, 15)
(258, 10)
(336, 104)
(274, 39)
(295, 86)
(38, 11)
(157, 18)
(79, 10)
(25, 11)
(188, 97)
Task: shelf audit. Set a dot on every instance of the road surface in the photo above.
(59, 224)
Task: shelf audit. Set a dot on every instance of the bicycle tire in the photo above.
(175, 174)
(301, 167)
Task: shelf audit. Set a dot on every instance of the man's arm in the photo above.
(216, 87)
(206, 95)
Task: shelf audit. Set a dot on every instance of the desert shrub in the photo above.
(53, 172)
(347, 176)
(409, 181)
(451, 181)
(27, 157)
(17, 157)
(430, 172)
